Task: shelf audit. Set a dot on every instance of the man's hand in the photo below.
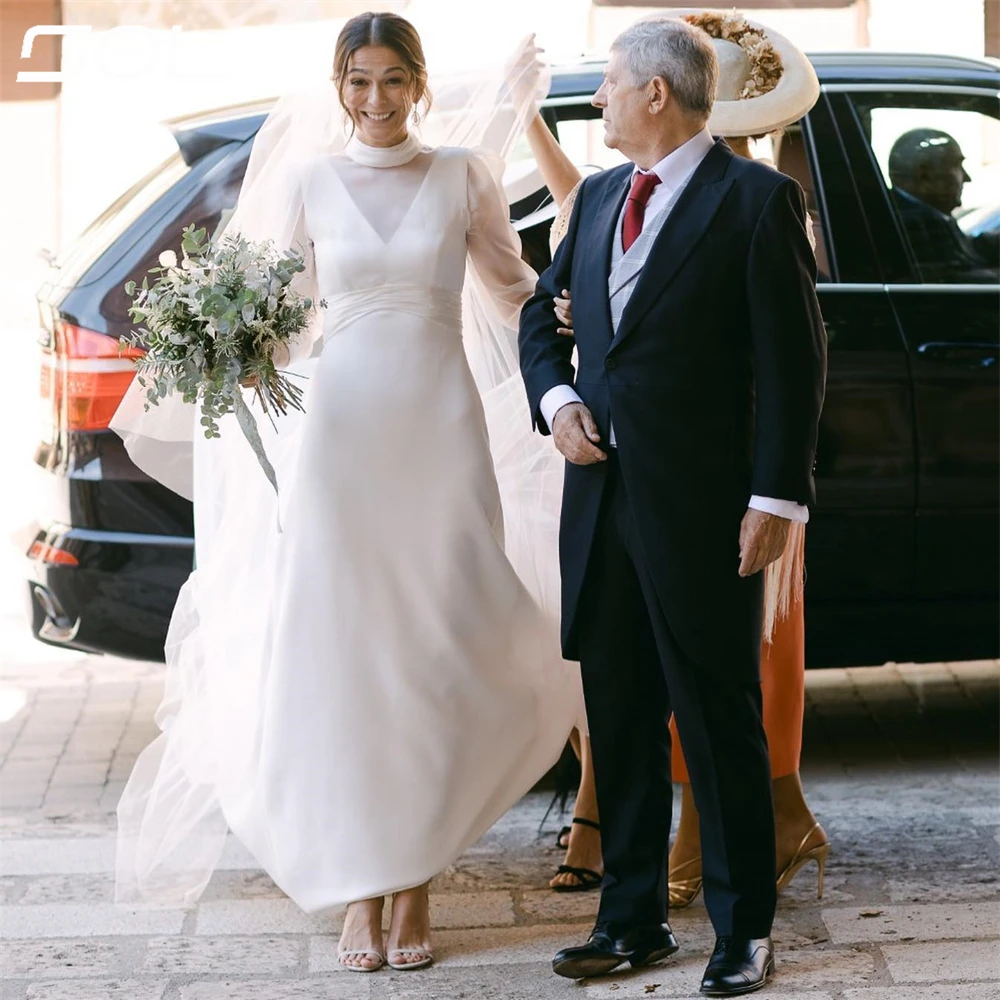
(564, 313)
(762, 540)
(575, 435)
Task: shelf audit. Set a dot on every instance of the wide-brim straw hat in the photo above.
(796, 91)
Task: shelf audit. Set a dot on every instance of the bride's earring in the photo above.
(416, 116)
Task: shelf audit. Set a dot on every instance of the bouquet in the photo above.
(212, 325)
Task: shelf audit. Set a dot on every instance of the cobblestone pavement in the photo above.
(900, 766)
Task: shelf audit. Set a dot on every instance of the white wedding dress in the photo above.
(361, 692)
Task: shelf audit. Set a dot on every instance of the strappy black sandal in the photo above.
(589, 879)
(562, 839)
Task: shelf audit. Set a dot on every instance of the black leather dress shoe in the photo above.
(737, 966)
(605, 950)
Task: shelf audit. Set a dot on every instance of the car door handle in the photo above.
(975, 355)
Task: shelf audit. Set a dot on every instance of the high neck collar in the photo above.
(383, 156)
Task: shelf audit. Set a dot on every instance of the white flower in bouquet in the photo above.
(213, 326)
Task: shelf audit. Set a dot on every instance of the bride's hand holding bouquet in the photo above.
(219, 321)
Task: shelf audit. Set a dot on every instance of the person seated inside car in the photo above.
(927, 172)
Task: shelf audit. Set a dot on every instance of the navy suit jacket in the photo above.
(714, 380)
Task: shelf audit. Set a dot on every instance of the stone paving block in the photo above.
(468, 909)
(62, 959)
(63, 920)
(931, 922)
(58, 856)
(940, 991)
(32, 753)
(59, 803)
(945, 886)
(110, 795)
(931, 961)
(820, 966)
(802, 889)
(235, 857)
(11, 890)
(546, 906)
(106, 989)
(14, 800)
(261, 916)
(676, 977)
(537, 982)
(24, 772)
(499, 946)
(85, 750)
(241, 885)
(346, 987)
(70, 889)
(262, 955)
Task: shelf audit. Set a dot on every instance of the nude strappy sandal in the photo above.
(360, 952)
(422, 963)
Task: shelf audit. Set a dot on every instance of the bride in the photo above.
(360, 683)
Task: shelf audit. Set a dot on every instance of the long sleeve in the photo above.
(494, 246)
(283, 222)
(305, 282)
(789, 349)
(546, 356)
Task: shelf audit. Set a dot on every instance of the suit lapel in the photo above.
(681, 233)
(598, 262)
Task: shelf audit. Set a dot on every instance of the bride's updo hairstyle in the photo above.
(392, 32)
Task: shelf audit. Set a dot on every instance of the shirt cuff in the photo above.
(782, 508)
(554, 400)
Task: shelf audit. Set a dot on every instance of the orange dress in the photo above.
(783, 684)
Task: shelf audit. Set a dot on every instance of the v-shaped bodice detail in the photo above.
(385, 227)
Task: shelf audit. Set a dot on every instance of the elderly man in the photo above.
(689, 429)
(927, 171)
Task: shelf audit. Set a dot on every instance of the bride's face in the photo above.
(378, 95)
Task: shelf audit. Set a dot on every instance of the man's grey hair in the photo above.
(677, 51)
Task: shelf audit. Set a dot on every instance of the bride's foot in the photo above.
(361, 947)
(583, 855)
(408, 945)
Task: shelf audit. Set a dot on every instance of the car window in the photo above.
(118, 216)
(939, 158)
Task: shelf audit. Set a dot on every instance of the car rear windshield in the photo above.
(117, 217)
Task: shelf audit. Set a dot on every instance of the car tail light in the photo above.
(52, 554)
(84, 375)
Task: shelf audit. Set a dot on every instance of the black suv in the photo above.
(903, 544)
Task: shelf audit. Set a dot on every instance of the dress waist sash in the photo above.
(439, 305)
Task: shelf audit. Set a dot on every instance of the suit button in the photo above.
(610, 364)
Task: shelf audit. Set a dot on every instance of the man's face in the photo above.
(941, 177)
(624, 106)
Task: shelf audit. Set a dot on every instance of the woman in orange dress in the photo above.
(800, 838)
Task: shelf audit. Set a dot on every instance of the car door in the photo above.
(939, 143)
(860, 540)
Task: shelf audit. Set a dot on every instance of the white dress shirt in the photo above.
(674, 171)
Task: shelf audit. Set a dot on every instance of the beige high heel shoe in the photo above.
(684, 891)
(801, 857)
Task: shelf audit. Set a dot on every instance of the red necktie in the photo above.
(635, 207)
